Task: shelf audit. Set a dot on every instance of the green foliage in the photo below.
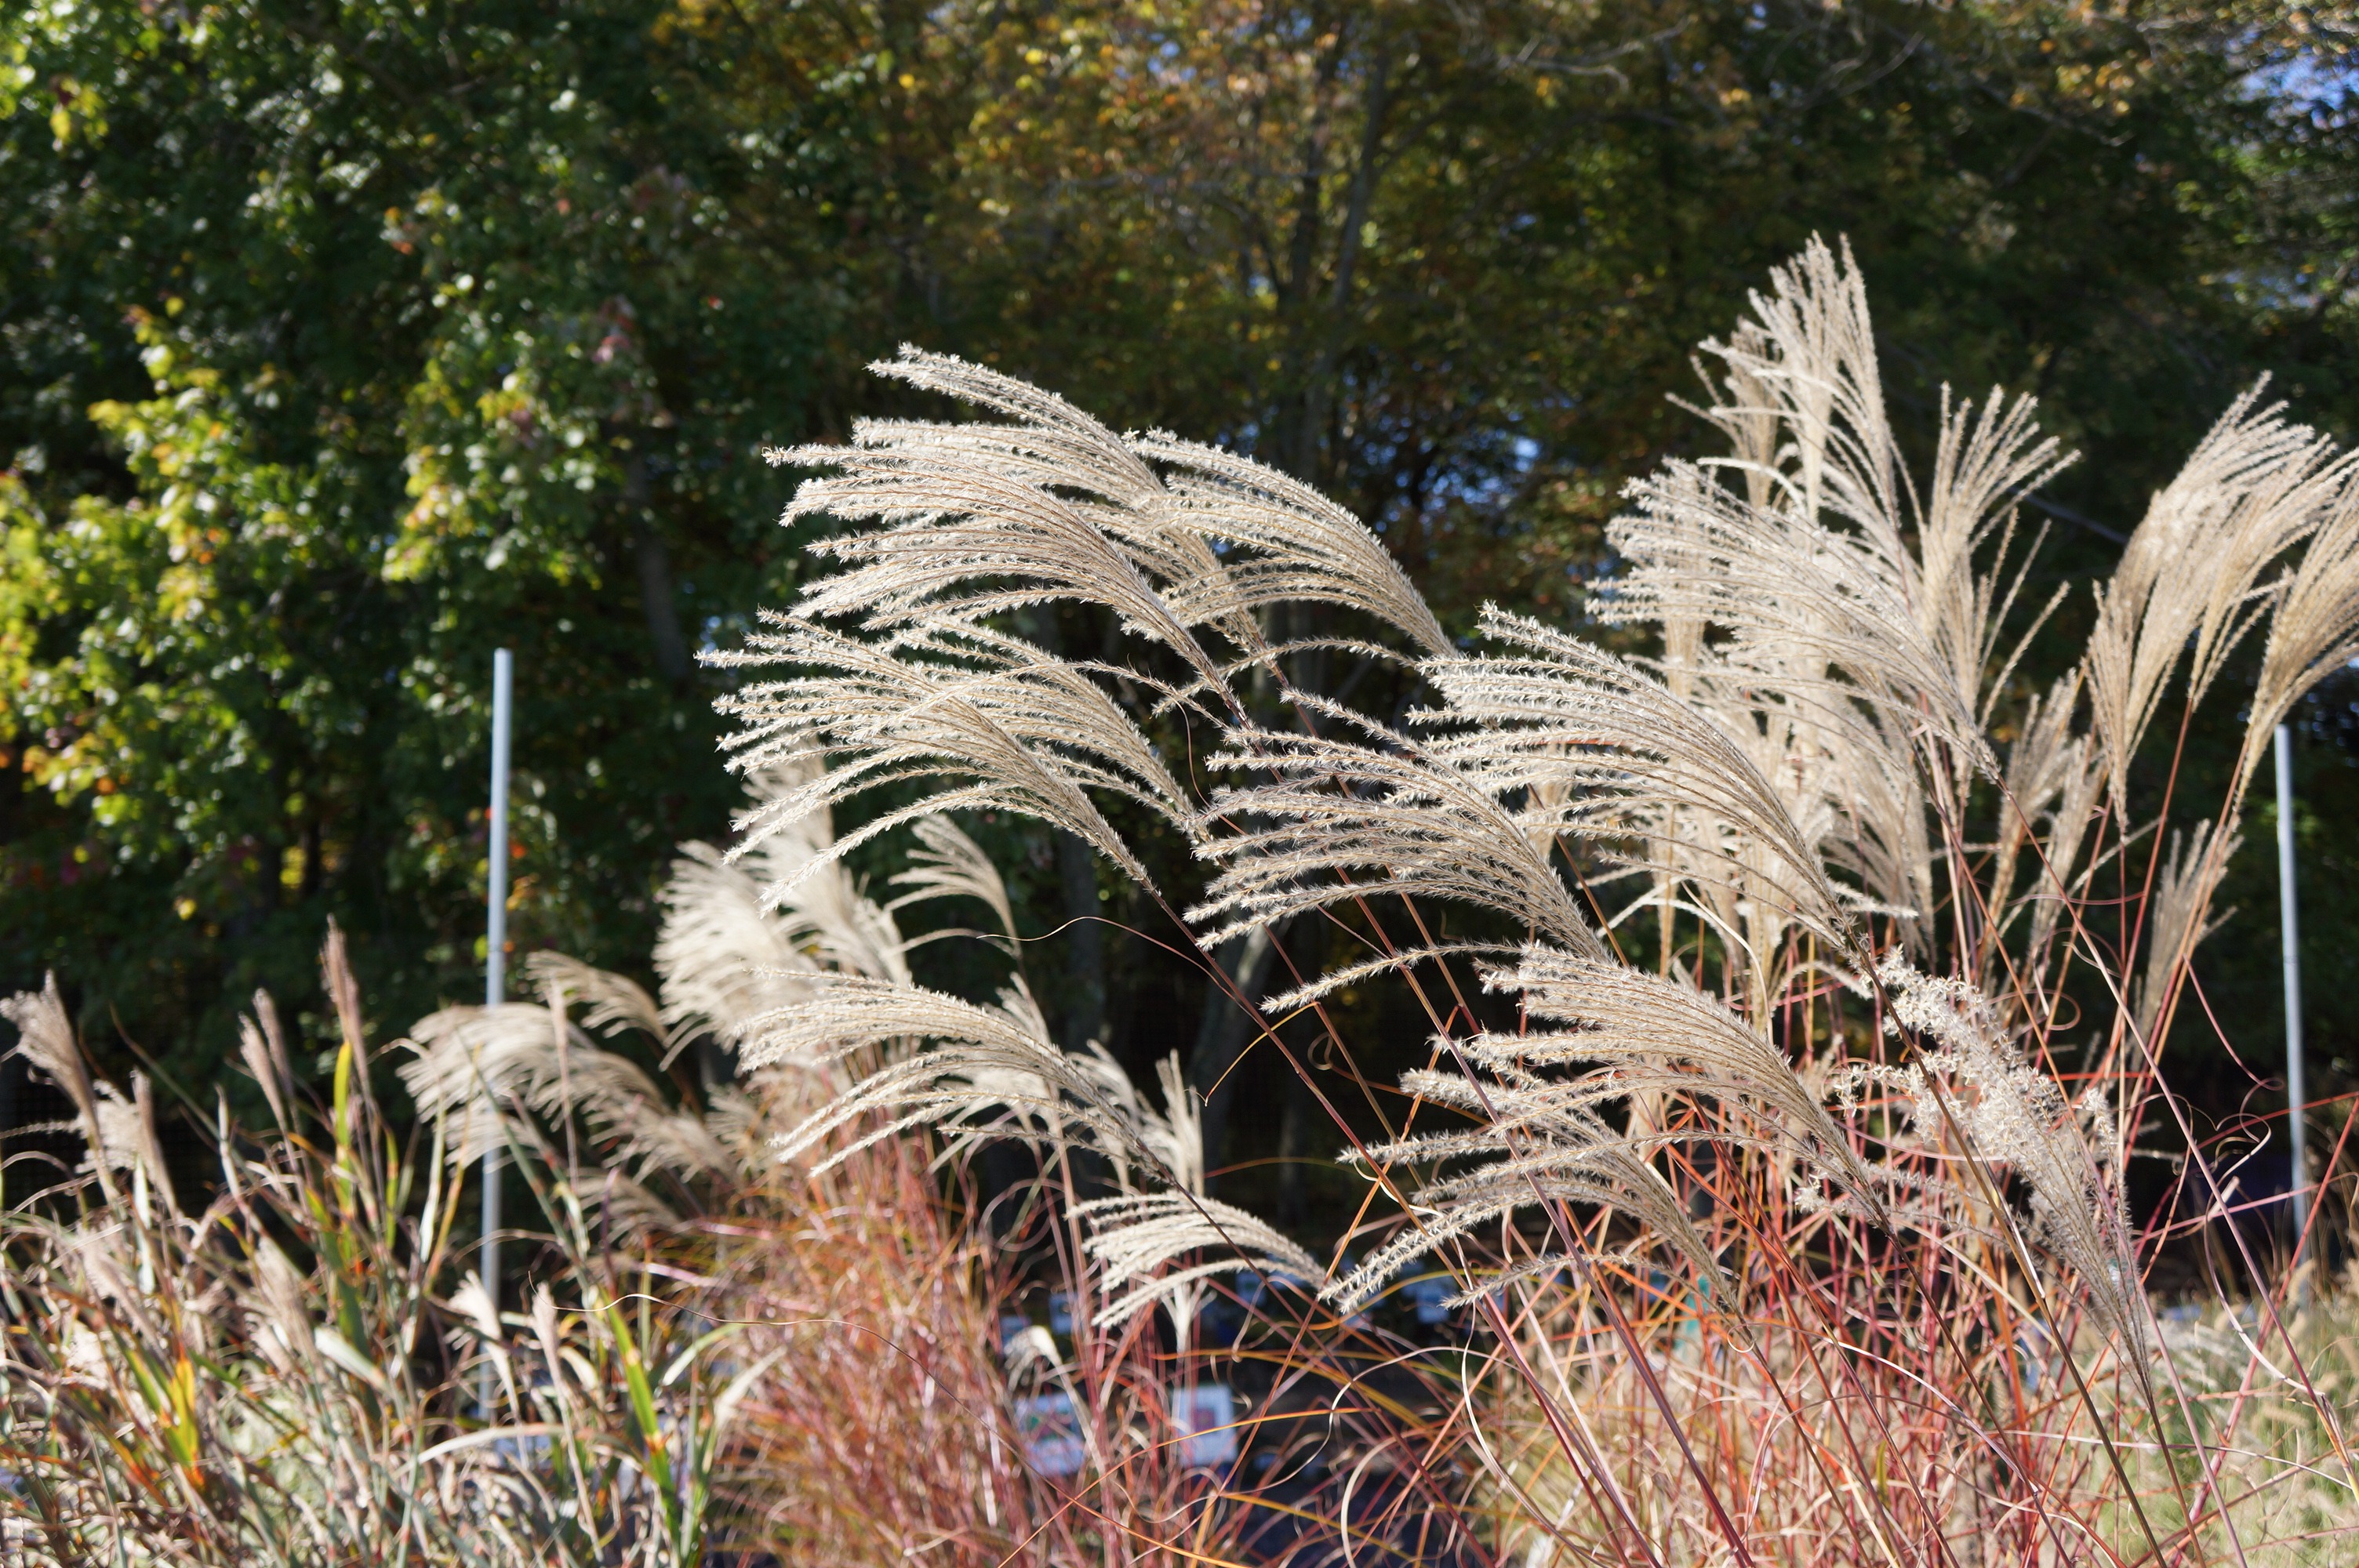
(348, 343)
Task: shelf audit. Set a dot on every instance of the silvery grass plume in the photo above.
(2052, 777)
(1180, 542)
(1564, 740)
(742, 935)
(2205, 567)
(1829, 615)
(1006, 725)
(118, 1131)
(947, 864)
(856, 1017)
(1392, 810)
(725, 962)
(1633, 763)
(1850, 613)
(2178, 917)
(2314, 624)
(1973, 1094)
(262, 1046)
(1547, 1141)
(1170, 536)
(493, 1077)
(817, 984)
(2189, 586)
(1135, 1236)
(1848, 627)
(983, 1071)
(45, 1039)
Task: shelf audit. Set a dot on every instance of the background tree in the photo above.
(346, 341)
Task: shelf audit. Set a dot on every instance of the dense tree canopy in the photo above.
(343, 342)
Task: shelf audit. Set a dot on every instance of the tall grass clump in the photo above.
(1797, 968)
(1748, 1132)
(704, 1353)
(278, 1377)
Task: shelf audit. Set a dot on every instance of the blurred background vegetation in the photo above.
(343, 342)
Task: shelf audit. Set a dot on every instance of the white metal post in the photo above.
(496, 949)
(2290, 933)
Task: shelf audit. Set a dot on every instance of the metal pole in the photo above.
(495, 955)
(2289, 932)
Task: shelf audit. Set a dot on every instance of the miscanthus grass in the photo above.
(1782, 1221)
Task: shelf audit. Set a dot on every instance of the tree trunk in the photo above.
(1084, 944)
(1222, 1036)
(1076, 872)
(656, 593)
